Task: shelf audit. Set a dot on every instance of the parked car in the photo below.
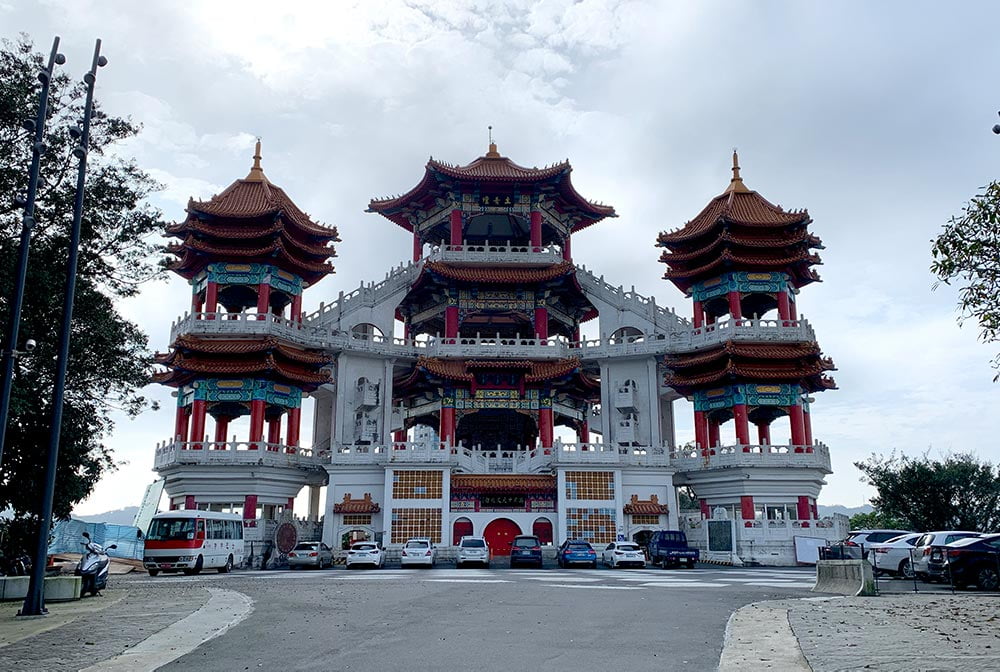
(669, 548)
(576, 552)
(928, 553)
(621, 553)
(857, 543)
(473, 550)
(310, 554)
(893, 556)
(526, 549)
(417, 552)
(362, 553)
(975, 560)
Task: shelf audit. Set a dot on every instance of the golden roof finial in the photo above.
(736, 184)
(493, 153)
(256, 172)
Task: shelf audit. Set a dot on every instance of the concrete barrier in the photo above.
(56, 588)
(844, 577)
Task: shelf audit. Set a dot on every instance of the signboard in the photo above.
(150, 504)
(720, 536)
(807, 549)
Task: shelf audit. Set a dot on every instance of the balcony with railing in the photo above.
(236, 453)
(816, 456)
(496, 253)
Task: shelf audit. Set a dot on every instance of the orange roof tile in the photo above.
(503, 483)
(364, 505)
(649, 506)
(498, 275)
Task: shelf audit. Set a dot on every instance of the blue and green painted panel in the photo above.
(223, 273)
(241, 391)
(742, 282)
(749, 394)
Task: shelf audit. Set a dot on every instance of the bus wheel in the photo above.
(197, 567)
(153, 572)
(228, 567)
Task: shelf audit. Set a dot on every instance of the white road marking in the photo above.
(562, 578)
(466, 580)
(684, 584)
(570, 585)
(224, 609)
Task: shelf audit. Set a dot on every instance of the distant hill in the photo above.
(119, 517)
(846, 510)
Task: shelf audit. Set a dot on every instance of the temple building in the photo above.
(456, 396)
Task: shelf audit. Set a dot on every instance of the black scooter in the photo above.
(94, 566)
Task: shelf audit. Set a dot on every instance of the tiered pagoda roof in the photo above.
(252, 220)
(740, 230)
(487, 174)
(495, 275)
(529, 372)
(192, 358)
(508, 484)
(738, 362)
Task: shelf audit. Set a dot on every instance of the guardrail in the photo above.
(174, 453)
(496, 253)
(816, 456)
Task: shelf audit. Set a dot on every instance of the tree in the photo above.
(876, 520)
(958, 492)
(968, 251)
(109, 362)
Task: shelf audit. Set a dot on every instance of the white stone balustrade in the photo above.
(175, 453)
(754, 456)
(496, 253)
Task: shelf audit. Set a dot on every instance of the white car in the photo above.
(417, 552)
(620, 553)
(310, 554)
(363, 553)
(893, 556)
(928, 566)
(473, 550)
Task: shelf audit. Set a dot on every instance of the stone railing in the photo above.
(396, 280)
(175, 453)
(598, 453)
(814, 457)
(494, 253)
(664, 319)
(525, 461)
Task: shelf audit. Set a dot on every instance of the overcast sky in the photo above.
(874, 116)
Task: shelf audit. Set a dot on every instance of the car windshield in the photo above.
(579, 547)
(964, 541)
(473, 543)
(171, 529)
(417, 544)
(628, 547)
(674, 537)
(364, 547)
(525, 543)
(306, 547)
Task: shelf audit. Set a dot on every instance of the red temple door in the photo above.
(461, 528)
(500, 534)
(542, 528)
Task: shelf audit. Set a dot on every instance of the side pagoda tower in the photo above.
(248, 253)
(742, 261)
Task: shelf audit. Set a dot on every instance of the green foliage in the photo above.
(686, 500)
(109, 362)
(968, 252)
(876, 520)
(958, 492)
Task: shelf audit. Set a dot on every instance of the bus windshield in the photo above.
(171, 529)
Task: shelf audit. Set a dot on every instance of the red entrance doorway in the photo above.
(499, 535)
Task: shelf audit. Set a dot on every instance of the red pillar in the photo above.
(542, 322)
(296, 312)
(699, 315)
(536, 230)
(735, 310)
(567, 254)
(705, 513)
(290, 505)
(197, 423)
(173, 506)
(746, 507)
(713, 432)
(798, 427)
(783, 311)
(399, 436)
(221, 429)
(807, 429)
(447, 429)
(451, 322)
(584, 433)
(211, 298)
(181, 424)
(701, 430)
(274, 430)
(792, 312)
(294, 426)
(418, 247)
(763, 433)
(250, 507)
(456, 228)
(742, 426)
(545, 427)
(256, 423)
(263, 300)
(814, 508)
(196, 302)
(189, 502)
(802, 506)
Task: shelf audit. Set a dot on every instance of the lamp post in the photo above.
(37, 125)
(34, 602)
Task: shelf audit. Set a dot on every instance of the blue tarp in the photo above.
(67, 537)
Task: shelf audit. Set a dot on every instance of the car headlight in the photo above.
(185, 558)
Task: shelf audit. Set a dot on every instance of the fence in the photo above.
(67, 537)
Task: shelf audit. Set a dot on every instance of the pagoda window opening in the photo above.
(757, 305)
(367, 332)
(626, 335)
(498, 229)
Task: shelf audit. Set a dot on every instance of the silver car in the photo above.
(928, 562)
(310, 554)
(473, 550)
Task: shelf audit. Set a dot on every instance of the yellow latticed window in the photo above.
(645, 519)
(416, 485)
(357, 519)
(409, 523)
(590, 485)
(594, 525)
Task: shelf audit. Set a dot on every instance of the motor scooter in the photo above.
(94, 566)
